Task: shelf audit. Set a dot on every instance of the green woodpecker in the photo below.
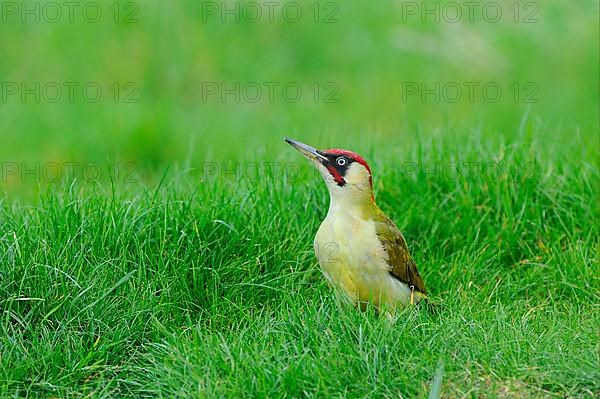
(360, 250)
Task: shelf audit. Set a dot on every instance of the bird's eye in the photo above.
(341, 161)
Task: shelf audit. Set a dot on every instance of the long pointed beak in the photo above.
(309, 152)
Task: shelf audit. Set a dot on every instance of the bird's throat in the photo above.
(360, 207)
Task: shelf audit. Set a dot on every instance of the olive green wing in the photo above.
(402, 266)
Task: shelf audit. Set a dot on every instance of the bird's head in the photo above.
(347, 174)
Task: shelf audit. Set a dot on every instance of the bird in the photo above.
(361, 252)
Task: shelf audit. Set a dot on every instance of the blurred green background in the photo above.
(164, 56)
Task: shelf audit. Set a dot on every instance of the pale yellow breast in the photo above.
(353, 260)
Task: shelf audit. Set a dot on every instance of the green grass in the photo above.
(212, 289)
(191, 274)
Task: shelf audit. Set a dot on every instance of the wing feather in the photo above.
(402, 265)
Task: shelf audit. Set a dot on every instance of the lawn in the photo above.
(162, 247)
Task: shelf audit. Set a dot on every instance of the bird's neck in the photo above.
(361, 205)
